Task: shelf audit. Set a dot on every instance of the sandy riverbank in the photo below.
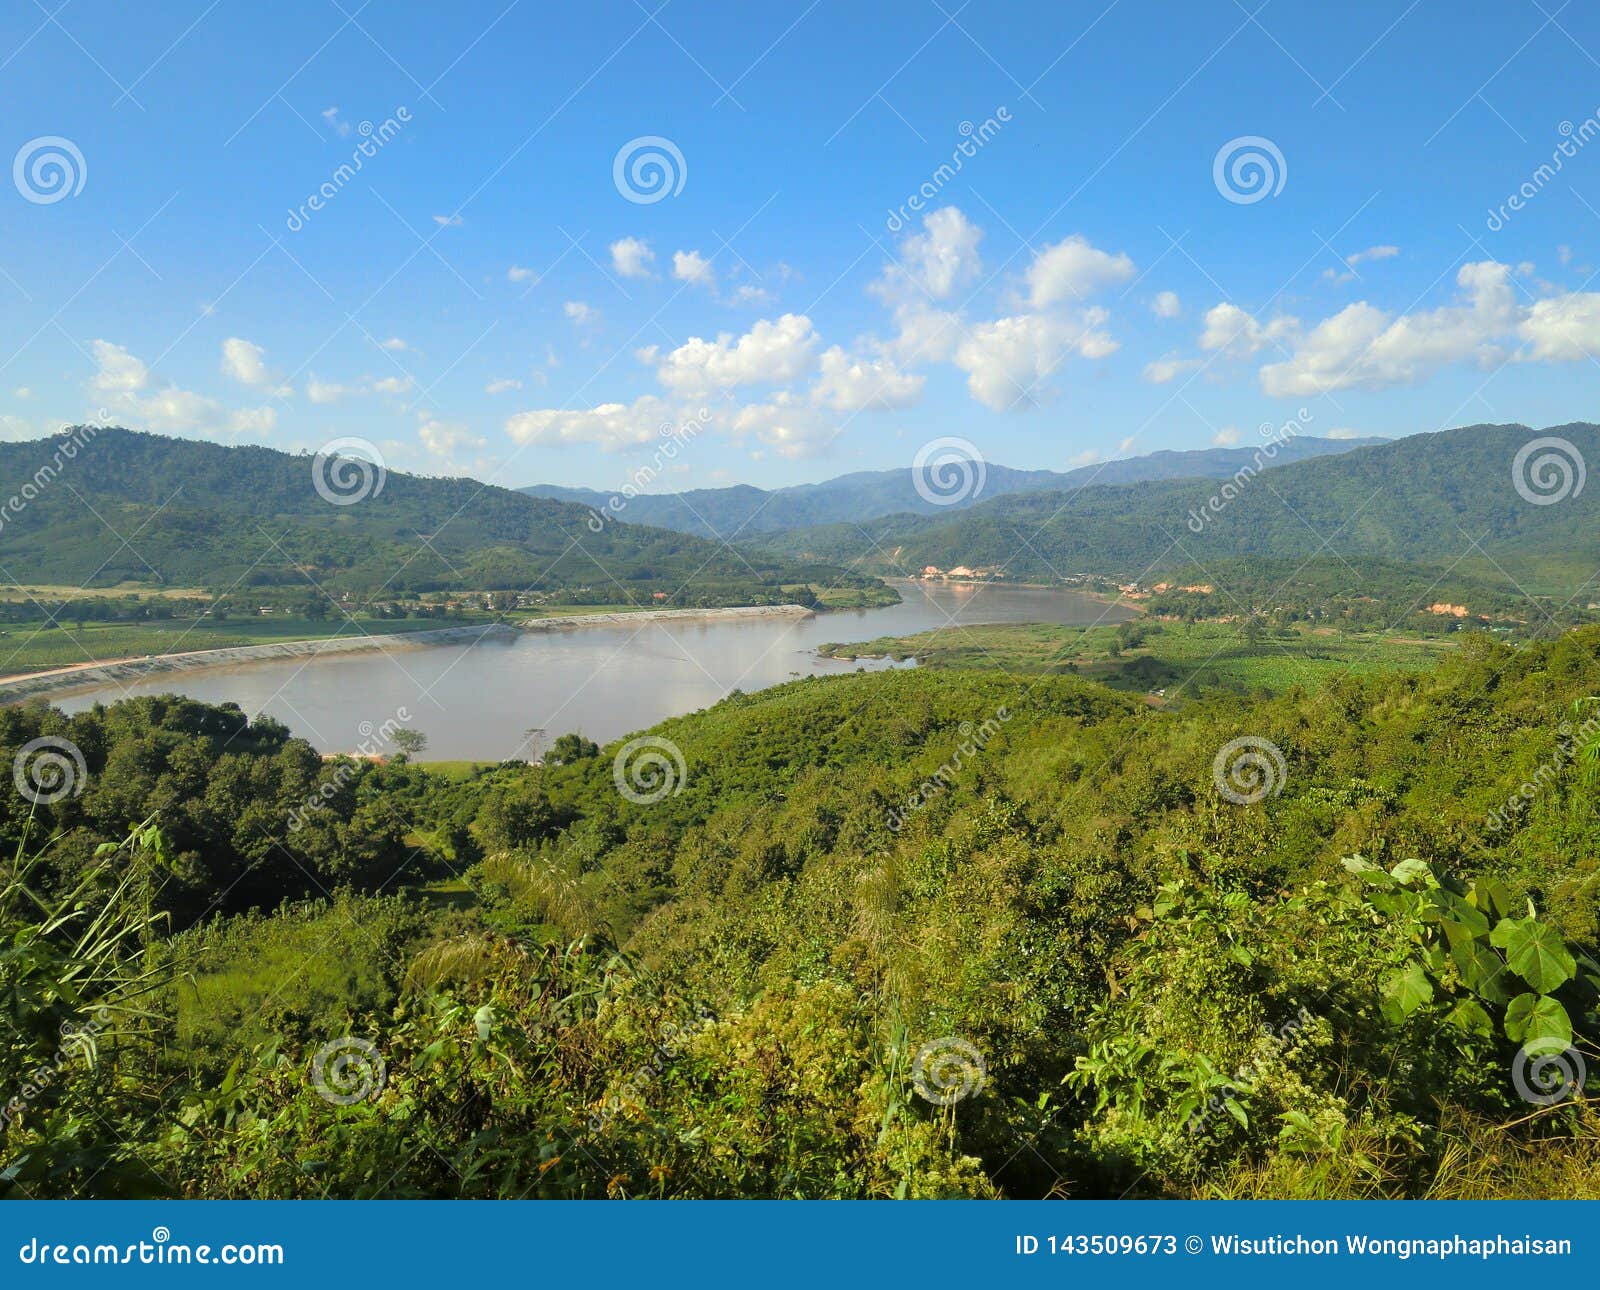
(110, 671)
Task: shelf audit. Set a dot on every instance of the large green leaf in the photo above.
(1469, 1015)
(1532, 1017)
(1405, 991)
(1482, 970)
(1535, 952)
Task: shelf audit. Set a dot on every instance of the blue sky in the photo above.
(482, 297)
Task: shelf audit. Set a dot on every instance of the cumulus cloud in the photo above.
(786, 425)
(1360, 257)
(693, 268)
(324, 392)
(247, 364)
(1166, 305)
(516, 273)
(1169, 367)
(448, 221)
(848, 383)
(1364, 347)
(443, 439)
(123, 381)
(1563, 329)
(611, 426)
(1225, 437)
(501, 385)
(1008, 360)
(771, 351)
(632, 257)
(1236, 333)
(582, 313)
(934, 262)
(1073, 270)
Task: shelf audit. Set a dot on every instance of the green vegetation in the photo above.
(247, 520)
(1427, 498)
(1145, 655)
(1346, 984)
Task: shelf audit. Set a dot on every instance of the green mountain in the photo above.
(1428, 497)
(741, 511)
(96, 507)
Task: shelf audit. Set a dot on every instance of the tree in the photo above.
(408, 743)
(570, 748)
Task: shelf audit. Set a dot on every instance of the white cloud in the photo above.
(122, 379)
(1236, 333)
(581, 313)
(246, 363)
(632, 257)
(852, 384)
(1169, 367)
(339, 127)
(1073, 270)
(1359, 257)
(935, 262)
(1166, 305)
(502, 385)
(1563, 329)
(516, 273)
(1364, 347)
(769, 352)
(448, 221)
(22, 392)
(323, 392)
(1008, 360)
(119, 372)
(1226, 437)
(393, 385)
(747, 294)
(1344, 432)
(394, 343)
(786, 425)
(612, 426)
(445, 438)
(693, 268)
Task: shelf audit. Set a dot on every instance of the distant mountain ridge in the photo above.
(1452, 494)
(741, 510)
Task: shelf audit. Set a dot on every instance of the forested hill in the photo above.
(109, 505)
(741, 510)
(1425, 497)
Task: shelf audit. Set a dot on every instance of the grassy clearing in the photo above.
(1170, 655)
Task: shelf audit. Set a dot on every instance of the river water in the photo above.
(508, 697)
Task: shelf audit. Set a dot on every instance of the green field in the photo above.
(1170, 656)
